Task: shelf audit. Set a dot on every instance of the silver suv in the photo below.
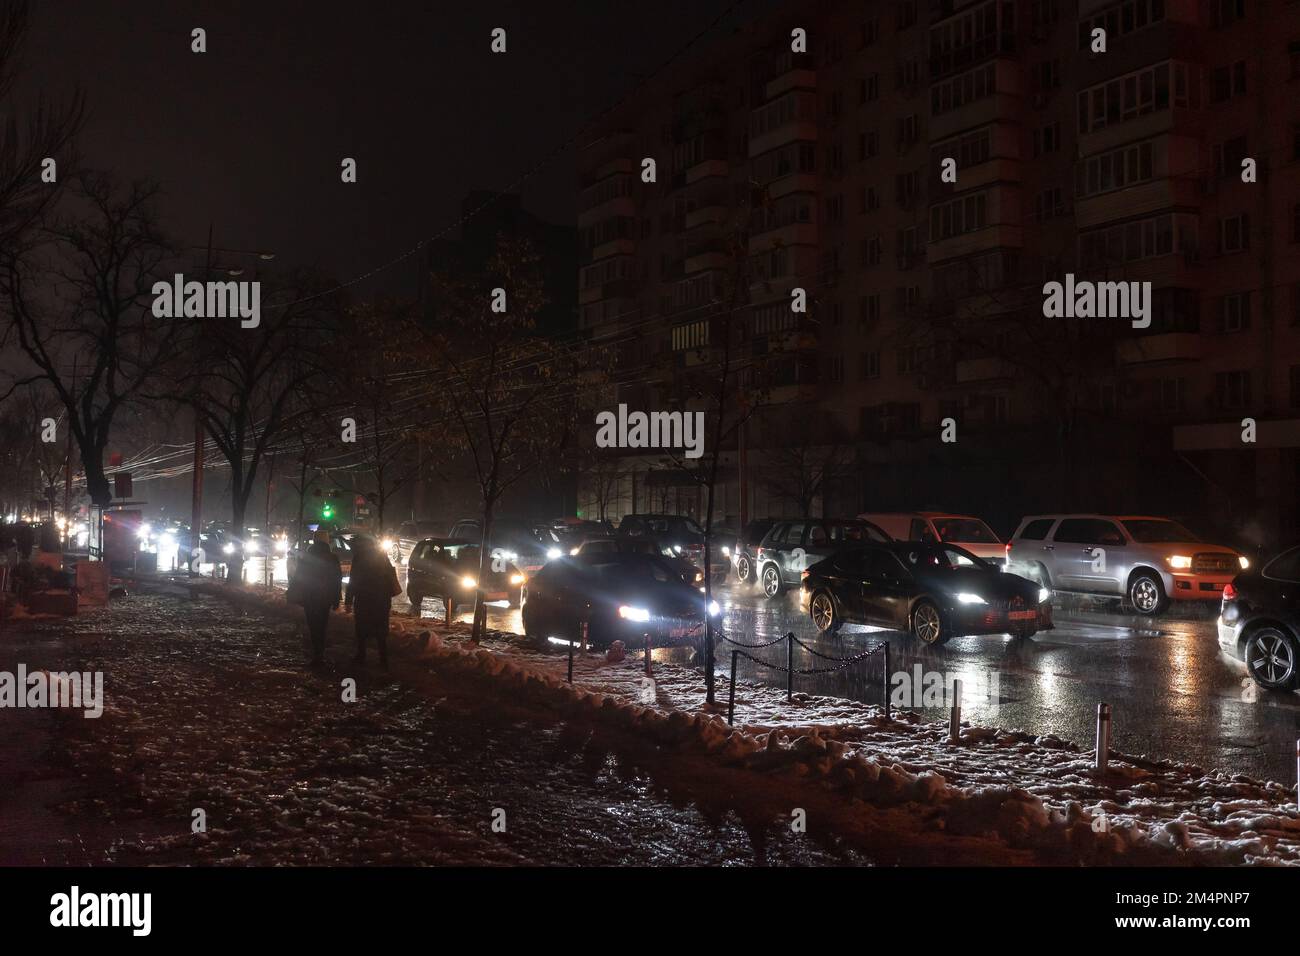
(1149, 561)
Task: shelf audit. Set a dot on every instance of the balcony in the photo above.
(1165, 347)
(997, 236)
(989, 369)
(1141, 199)
(613, 247)
(713, 213)
(790, 234)
(617, 207)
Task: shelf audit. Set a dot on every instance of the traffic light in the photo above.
(327, 512)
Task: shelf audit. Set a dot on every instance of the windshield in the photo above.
(852, 532)
(1157, 531)
(672, 526)
(947, 557)
(970, 530)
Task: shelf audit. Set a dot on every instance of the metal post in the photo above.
(789, 667)
(584, 636)
(731, 693)
(570, 643)
(647, 653)
(885, 682)
(1103, 737)
(954, 719)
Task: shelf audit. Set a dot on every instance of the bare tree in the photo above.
(79, 291)
(800, 471)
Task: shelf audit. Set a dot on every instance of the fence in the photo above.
(840, 663)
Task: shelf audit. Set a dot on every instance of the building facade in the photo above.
(781, 167)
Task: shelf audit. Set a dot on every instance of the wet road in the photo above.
(1172, 693)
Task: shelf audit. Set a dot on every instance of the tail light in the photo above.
(1229, 592)
(1008, 551)
(803, 576)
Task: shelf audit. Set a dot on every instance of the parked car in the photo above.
(1259, 621)
(793, 546)
(1144, 560)
(448, 568)
(933, 591)
(621, 596)
(520, 543)
(744, 548)
(689, 572)
(681, 533)
(409, 534)
(964, 531)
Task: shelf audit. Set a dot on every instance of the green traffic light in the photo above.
(327, 512)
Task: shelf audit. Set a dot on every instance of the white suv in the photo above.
(962, 530)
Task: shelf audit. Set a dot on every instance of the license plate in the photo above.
(495, 596)
(1022, 615)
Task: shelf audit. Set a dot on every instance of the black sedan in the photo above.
(622, 596)
(448, 568)
(932, 591)
(1259, 621)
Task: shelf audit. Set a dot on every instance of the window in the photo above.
(834, 209)
(691, 335)
(1046, 75)
(1228, 156)
(1295, 385)
(1120, 20)
(869, 88)
(1135, 94)
(906, 14)
(1036, 530)
(1047, 139)
(868, 199)
(868, 310)
(1227, 81)
(1116, 169)
(967, 214)
(1232, 390)
(1285, 567)
(905, 187)
(870, 32)
(1095, 531)
(1049, 204)
(907, 131)
(868, 144)
(1234, 312)
(1172, 395)
(871, 251)
(1224, 12)
(1138, 239)
(969, 150)
(1234, 233)
(869, 365)
(1293, 57)
(773, 318)
(962, 90)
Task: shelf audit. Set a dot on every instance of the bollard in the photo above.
(954, 718)
(731, 693)
(1103, 737)
(789, 667)
(885, 682)
(647, 654)
(570, 643)
(585, 625)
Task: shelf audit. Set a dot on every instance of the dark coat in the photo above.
(318, 578)
(372, 580)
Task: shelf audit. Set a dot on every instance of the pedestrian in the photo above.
(25, 537)
(316, 585)
(372, 585)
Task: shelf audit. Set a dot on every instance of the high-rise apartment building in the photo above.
(1119, 160)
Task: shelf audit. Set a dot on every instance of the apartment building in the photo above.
(823, 170)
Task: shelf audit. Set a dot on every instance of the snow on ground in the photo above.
(1033, 792)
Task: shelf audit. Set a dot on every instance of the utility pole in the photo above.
(196, 492)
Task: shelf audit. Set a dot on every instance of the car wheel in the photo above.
(743, 570)
(1146, 593)
(417, 601)
(927, 624)
(822, 611)
(772, 585)
(1271, 659)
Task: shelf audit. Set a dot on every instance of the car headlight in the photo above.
(516, 579)
(1243, 561)
(252, 547)
(677, 549)
(282, 545)
(553, 553)
(633, 613)
(573, 551)
(965, 597)
(726, 552)
(468, 581)
(714, 609)
(229, 549)
(1179, 562)
(1044, 594)
(387, 544)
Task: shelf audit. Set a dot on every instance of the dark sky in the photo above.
(250, 135)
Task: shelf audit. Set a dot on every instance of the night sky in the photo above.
(250, 135)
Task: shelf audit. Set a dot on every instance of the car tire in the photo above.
(1272, 659)
(1146, 593)
(744, 570)
(772, 583)
(927, 624)
(821, 609)
(417, 601)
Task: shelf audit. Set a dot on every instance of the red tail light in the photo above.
(1008, 551)
(1229, 592)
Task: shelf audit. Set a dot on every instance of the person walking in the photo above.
(316, 585)
(371, 587)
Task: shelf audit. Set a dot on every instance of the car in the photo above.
(964, 531)
(744, 547)
(933, 591)
(790, 547)
(338, 543)
(681, 533)
(526, 546)
(1259, 621)
(630, 597)
(448, 568)
(689, 572)
(408, 535)
(1147, 561)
